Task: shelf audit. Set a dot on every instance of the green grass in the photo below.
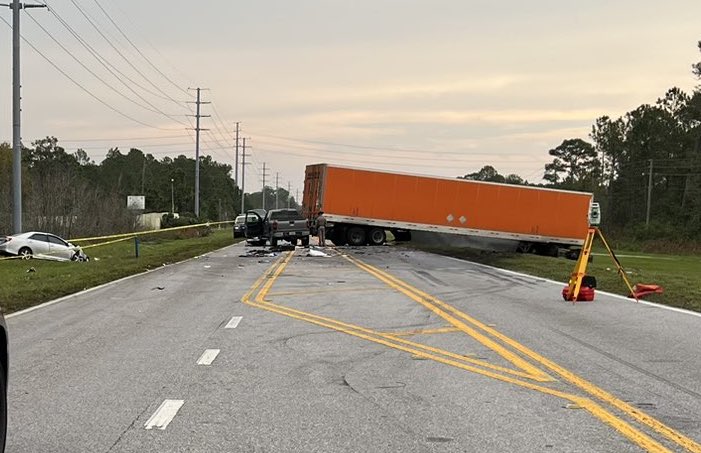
(22, 289)
(679, 275)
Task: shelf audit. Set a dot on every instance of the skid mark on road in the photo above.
(528, 375)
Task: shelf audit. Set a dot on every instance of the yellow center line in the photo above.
(324, 291)
(485, 340)
(260, 302)
(572, 378)
(599, 412)
(407, 333)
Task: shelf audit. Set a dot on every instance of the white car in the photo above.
(41, 245)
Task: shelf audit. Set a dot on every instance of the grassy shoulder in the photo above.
(27, 283)
(679, 275)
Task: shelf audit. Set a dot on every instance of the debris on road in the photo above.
(159, 288)
(317, 254)
(259, 253)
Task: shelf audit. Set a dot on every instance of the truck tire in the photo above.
(337, 236)
(356, 236)
(305, 241)
(377, 236)
(525, 247)
(273, 242)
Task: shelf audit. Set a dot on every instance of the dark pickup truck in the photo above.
(277, 224)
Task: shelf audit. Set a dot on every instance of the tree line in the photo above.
(643, 167)
(70, 195)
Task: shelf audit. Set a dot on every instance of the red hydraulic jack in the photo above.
(581, 286)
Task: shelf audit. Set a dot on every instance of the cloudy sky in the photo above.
(439, 87)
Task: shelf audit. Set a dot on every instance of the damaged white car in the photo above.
(41, 245)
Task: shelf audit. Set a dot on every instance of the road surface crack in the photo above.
(131, 425)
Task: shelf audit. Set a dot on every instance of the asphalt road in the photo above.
(373, 349)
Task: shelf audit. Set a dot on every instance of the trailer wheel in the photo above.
(377, 236)
(356, 236)
(524, 247)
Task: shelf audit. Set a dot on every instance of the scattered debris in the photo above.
(31, 269)
(259, 253)
(317, 253)
(159, 288)
(572, 406)
(96, 259)
(207, 266)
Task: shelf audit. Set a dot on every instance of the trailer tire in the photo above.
(356, 236)
(524, 247)
(377, 236)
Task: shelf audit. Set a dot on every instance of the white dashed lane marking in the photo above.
(164, 415)
(234, 322)
(208, 356)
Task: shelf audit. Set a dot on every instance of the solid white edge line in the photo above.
(615, 296)
(104, 285)
(234, 322)
(208, 356)
(164, 414)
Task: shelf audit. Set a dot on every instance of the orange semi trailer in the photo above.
(361, 205)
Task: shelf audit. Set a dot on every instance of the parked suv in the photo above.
(278, 224)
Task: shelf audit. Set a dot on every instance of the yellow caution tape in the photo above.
(126, 236)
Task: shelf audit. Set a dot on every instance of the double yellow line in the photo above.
(527, 376)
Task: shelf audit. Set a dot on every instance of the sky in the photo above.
(435, 87)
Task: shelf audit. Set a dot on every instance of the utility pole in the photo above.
(297, 198)
(197, 148)
(265, 174)
(243, 175)
(277, 190)
(288, 195)
(649, 195)
(236, 162)
(16, 6)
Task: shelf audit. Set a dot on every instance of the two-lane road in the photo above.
(375, 349)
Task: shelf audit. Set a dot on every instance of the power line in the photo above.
(122, 139)
(154, 109)
(347, 145)
(388, 155)
(114, 109)
(397, 159)
(102, 60)
(142, 36)
(99, 31)
(138, 50)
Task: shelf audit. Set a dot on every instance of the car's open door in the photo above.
(254, 225)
